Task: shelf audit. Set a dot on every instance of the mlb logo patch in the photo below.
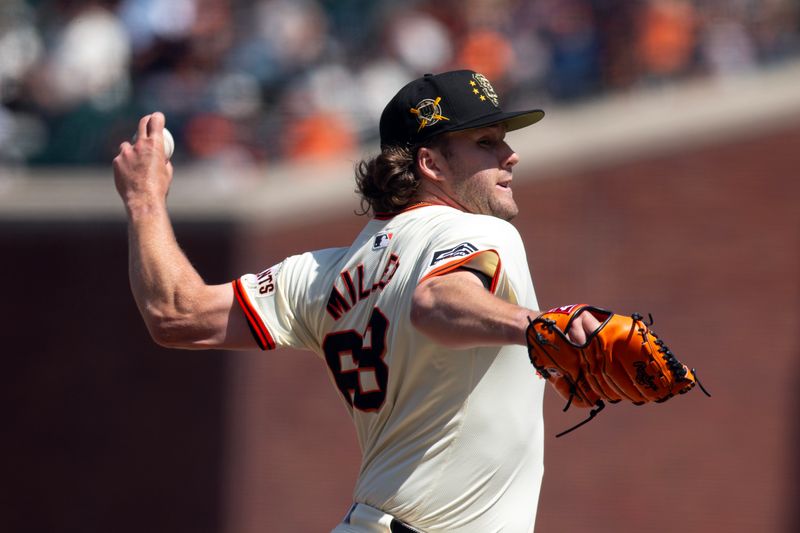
(381, 240)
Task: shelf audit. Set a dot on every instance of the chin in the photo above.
(505, 211)
(510, 215)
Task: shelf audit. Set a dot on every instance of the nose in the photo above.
(510, 158)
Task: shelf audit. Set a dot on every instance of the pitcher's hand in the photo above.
(142, 173)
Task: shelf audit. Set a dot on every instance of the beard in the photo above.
(480, 195)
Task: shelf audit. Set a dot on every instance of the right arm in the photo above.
(178, 307)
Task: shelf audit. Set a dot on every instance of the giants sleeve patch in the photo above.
(459, 250)
(267, 280)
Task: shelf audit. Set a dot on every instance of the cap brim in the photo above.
(513, 120)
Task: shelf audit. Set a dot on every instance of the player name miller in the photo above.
(338, 304)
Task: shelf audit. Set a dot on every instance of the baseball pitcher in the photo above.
(428, 322)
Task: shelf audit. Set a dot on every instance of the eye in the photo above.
(486, 142)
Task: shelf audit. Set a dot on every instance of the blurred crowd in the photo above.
(257, 81)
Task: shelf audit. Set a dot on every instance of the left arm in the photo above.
(457, 311)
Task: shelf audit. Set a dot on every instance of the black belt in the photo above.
(398, 527)
(395, 526)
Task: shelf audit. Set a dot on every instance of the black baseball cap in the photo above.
(450, 101)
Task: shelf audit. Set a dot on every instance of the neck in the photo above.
(437, 198)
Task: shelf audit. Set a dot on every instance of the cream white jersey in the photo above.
(451, 439)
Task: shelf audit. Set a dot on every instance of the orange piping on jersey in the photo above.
(259, 329)
(388, 216)
(458, 263)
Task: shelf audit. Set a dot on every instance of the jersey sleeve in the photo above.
(279, 302)
(483, 243)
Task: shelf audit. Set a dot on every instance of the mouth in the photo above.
(505, 185)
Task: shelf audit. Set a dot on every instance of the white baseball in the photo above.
(169, 144)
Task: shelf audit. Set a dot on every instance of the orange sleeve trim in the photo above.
(257, 326)
(458, 263)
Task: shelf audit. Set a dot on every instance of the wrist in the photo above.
(141, 209)
(522, 320)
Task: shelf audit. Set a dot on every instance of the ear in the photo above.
(431, 164)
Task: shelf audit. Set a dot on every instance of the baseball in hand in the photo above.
(169, 143)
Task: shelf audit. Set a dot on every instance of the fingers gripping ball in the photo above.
(169, 143)
(623, 359)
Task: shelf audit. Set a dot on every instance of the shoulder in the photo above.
(323, 256)
(312, 264)
(445, 216)
(480, 227)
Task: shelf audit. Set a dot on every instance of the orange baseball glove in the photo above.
(623, 359)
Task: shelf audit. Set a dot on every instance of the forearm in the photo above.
(457, 311)
(164, 284)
